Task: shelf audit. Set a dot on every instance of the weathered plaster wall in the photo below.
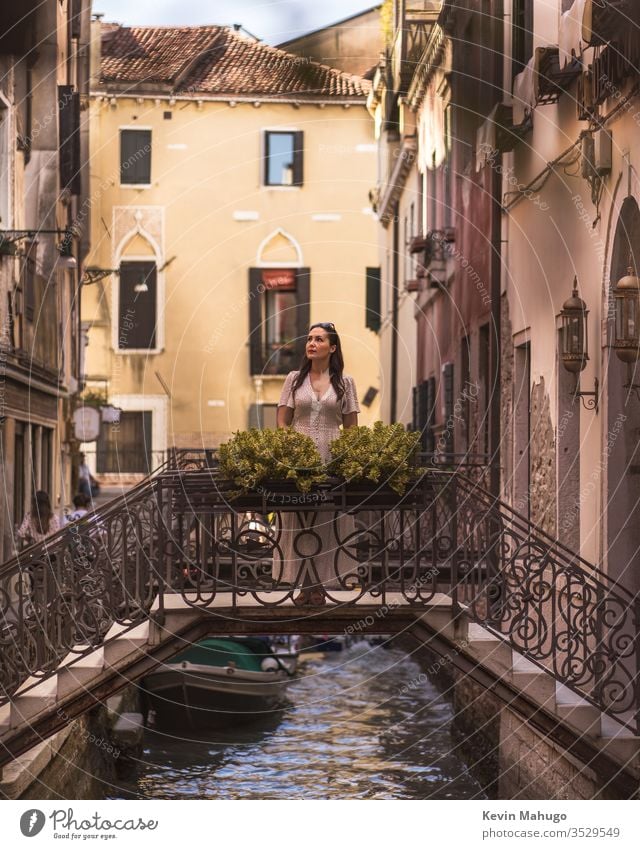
(543, 463)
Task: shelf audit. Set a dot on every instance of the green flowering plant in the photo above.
(383, 454)
(253, 456)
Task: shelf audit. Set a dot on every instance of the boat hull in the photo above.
(203, 697)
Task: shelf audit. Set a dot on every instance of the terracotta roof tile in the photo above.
(215, 60)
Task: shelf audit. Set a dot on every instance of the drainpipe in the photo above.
(394, 316)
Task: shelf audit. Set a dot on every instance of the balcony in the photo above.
(410, 42)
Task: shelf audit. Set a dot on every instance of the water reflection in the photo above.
(359, 725)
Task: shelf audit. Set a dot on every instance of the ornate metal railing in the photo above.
(185, 532)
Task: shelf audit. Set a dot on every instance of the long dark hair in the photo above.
(336, 362)
(41, 511)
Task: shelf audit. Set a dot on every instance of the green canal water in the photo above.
(360, 724)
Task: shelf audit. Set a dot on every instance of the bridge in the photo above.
(181, 556)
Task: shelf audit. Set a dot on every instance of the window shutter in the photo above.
(422, 403)
(414, 409)
(256, 294)
(137, 310)
(372, 313)
(69, 138)
(303, 294)
(447, 380)
(76, 18)
(135, 157)
(431, 414)
(298, 158)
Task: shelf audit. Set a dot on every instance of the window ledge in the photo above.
(146, 351)
(282, 188)
(136, 185)
(270, 376)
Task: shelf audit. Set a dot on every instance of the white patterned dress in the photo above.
(315, 560)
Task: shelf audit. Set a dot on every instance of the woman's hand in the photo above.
(350, 420)
(284, 416)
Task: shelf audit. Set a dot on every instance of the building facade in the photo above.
(437, 229)
(232, 209)
(44, 230)
(513, 136)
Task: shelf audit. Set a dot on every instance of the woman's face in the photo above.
(318, 345)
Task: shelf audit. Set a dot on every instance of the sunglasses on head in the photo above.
(326, 325)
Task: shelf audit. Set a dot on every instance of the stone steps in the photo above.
(541, 687)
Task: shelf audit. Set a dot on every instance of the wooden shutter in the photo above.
(372, 312)
(69, 138)
(422, 418)
(75, 18)
(298, 158)
(137, 310)
(303, 294)
(256, 332)
(135, 157)
(431, 414)
(449, 421)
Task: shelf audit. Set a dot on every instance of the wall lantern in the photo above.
(575, 343)
(626, 292)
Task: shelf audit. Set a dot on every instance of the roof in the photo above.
(215, 60)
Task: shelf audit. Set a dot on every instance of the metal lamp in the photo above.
(575, 349)
(626, 292)
(575, 343)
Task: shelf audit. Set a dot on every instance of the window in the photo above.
(448, 408)
(424, 404)
(278, 318)
(137, 306)
(484, 365)
(283, 159)
(126, 446)
(373, 318)
(135, 157)
(522, 35)
(465, 391)
(28, 279)
(69, 145)
(46, 457)
(263, 416)
(5, 170)
(18, 473)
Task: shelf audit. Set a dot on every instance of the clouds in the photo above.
(273, 21)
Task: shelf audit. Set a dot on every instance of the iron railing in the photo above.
(186, 532)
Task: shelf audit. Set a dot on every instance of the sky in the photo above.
(273, 21)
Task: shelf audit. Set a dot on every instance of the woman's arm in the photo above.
(349, 420)
(284, 416)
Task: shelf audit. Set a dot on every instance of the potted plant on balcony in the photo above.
(277, 465)
(377, 464)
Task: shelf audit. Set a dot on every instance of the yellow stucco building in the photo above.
(229, 187)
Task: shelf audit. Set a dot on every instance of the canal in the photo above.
(360, 724)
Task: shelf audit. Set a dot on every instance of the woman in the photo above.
(41, 522)
(315, 400)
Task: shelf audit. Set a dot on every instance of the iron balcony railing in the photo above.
(185, 532)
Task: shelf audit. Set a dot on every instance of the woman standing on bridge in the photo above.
(316, 400)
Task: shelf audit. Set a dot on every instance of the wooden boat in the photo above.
(220, 681)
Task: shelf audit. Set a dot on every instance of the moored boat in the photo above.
(220, 681)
